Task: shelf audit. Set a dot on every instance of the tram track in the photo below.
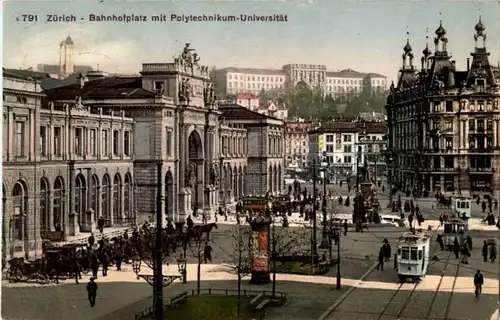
(385, 311)
(436, 292)
(450, 298)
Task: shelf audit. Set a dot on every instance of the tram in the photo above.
(460, 207)
(454, 228)
(412, 257)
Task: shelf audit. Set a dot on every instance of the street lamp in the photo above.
(325, 243)
(150, 279)
(338, 260)
(181, 266)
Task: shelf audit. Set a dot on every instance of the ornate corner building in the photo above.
(75, 151)
(444, 133)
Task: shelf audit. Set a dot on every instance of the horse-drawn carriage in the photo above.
(24, 271)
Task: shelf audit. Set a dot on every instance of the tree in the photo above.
(197, 248)
(285, 241)
(240, 260)
(145, 247)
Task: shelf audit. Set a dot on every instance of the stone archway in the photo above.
(195, 169)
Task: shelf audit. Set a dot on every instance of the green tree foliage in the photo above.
(312, 103)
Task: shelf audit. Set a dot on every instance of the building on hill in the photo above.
(233, 80)
(444, 122)
(248, 100)
(273, 109)
(297, 144)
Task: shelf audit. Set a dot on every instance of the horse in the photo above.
(198, 231)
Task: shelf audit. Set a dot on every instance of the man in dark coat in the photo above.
(380, 265)
(76, 267)
(439, 240)
(100, 224)
(91, 240)
(118, 258)
(478, 283)
(485, 251)
(105, 262)
(207, 253)
(346, 226)
(456, 248)
(92, 291)
(94, 265)
(386, 247)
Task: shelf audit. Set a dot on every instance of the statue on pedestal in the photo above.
(185, 90)
(190, 175)
(214, 174)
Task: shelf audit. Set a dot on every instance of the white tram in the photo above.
(454, 228)
(413, 255)
(461, 206)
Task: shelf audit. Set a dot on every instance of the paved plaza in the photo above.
(445, 291)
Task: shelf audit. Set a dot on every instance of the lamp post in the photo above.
(181, 267)
(314, 249)
(338, 260)
(325, 243)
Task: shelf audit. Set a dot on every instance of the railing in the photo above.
(146, 314)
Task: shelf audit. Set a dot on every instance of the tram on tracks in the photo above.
(454, 228)
(413, 254)
(461, 207)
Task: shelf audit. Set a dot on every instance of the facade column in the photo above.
(495, 131)
(183, 208)
(50, 208)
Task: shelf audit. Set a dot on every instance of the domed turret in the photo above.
(440, 31)
(407, 48)
(426, 52)
(480, 26)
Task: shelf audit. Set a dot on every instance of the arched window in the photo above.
(127, 198)
(19, 202)
(57, 205)
(94, 195)
(105, 198)
(80, 196)
(117, 198)
(44, 206)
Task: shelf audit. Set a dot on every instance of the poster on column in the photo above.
(260, 251)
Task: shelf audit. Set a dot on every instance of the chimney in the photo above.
(453, 65)
(468, 64)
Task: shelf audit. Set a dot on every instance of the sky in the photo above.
(366, 36)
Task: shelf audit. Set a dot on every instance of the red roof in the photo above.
(246, 96)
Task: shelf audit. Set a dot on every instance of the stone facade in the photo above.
(445, 123)
(104, 146)
(64, 165)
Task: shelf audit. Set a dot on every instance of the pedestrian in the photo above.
(396, 261)
(92, 291)
(76, 268)
(493, 253)
(485, 251)
(469, 242)
(478, 283)
(465, 254)
(456, 248)
(105, 262)
(94, 265)
(439, 240)
(91, 240)
(207, 253)
(100, 224)
(118, 259)
(57, 267)
(410, 220)
(441, 220)
(496, 204)
(483, 206)
(380, 265)
(387, 250)
(346, 226)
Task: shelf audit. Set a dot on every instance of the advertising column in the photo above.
(260, 250)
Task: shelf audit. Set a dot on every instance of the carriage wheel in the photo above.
(16, 275)
(42, 278)
(85, 270)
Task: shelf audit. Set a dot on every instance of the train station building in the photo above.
(101, 146)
